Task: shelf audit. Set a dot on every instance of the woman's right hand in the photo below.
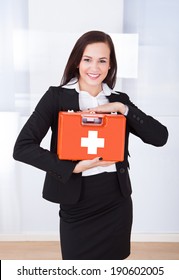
(87, 164)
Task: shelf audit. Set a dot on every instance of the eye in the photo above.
(86, 59)
(103, 61)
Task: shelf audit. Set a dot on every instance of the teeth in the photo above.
(93, 75)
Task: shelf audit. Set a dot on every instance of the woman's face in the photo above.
(93, 67)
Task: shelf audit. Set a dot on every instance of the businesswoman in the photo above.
(94, 195)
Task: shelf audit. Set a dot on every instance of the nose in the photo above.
(94, 66)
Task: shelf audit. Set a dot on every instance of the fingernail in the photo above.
(100, 158)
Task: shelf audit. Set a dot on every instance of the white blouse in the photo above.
(86, 101)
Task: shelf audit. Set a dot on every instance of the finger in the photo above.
(97, 159)
(90, 161)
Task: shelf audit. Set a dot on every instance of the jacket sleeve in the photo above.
(27, 148)
(150, 130)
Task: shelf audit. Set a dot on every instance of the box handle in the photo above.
(92, 120)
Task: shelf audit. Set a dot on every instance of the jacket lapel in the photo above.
(70, 100)
(115, 97)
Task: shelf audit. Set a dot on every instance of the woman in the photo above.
(94, 195)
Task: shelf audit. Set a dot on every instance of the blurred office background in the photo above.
(36, 37)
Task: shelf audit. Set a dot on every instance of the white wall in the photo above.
(154, 171)
(76, 16)
(156, 190)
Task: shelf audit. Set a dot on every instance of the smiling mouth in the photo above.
(93, 76)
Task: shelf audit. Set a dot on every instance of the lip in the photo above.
(93, 76)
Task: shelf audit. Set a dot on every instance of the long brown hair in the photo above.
(71, 69)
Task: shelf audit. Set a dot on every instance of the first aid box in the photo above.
(86, 136)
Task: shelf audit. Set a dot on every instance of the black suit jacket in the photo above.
(61, 184)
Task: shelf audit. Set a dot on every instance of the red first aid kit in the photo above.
(86, 136)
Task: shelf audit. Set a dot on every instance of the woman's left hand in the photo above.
(108, 108)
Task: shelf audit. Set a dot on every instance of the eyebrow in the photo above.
(99, 57)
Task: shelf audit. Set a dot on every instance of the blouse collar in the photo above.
(73, 84)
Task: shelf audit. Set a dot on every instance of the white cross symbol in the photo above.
(92, 142)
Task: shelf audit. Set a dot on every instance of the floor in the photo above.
(51, 251)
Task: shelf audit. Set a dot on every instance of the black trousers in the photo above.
(98, 227)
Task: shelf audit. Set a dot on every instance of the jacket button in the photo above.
(122, 170)
(134, 116)
(138, 118)
(141, 121)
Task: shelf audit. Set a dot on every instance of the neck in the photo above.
(92, 90)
